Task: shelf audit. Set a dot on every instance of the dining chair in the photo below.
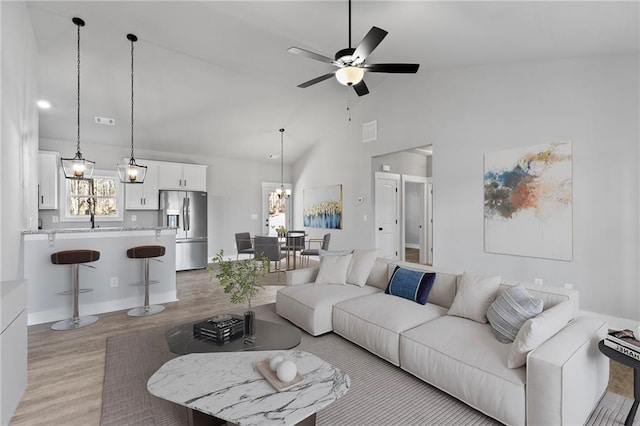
(243, 243)
(269, 247)
(294, 242)
(324, 245)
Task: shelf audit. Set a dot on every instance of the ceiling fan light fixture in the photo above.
(350, 76)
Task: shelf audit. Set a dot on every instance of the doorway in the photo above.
(411, 169)
(275, 210)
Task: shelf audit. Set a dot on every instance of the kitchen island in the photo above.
(109, 277)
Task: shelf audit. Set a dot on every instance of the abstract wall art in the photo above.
(528, 201)
(323, 207)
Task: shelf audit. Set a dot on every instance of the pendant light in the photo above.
(77, 167)
(282, 192)
(132, 172)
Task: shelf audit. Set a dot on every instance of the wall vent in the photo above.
(370, 131)
(106, 121)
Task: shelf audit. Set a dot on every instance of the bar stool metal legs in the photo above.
(146, 253)
(75, 258)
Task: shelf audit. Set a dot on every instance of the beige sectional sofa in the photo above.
(563, 378)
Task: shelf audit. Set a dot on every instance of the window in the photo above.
(107, 193)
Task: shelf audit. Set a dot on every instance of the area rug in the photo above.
(380, 393)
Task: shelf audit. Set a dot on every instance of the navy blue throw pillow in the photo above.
(411, 284)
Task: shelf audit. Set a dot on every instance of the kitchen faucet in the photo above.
(92, 205)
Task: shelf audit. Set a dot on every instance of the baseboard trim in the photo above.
(58, 314)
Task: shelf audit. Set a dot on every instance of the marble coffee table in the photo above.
(227, 386)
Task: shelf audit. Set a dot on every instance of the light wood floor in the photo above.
(66, 369)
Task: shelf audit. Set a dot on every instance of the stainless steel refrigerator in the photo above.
(186, 211)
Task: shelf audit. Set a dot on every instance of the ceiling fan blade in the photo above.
(368, 43)
(311, 55)
(316, 80)
(361, 88)
(391, 68)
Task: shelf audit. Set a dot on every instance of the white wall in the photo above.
(467, 112)
(234, 189)
(19, 144)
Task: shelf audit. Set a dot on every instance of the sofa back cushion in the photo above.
(444, 287)
(379, 277)
(550, 295)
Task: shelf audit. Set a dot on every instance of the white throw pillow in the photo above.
(333, 269)
(475, 295)
(360, 267)
(536, 331)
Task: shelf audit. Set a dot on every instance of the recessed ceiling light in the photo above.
(44, 104)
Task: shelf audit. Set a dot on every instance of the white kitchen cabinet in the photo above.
(48, 163)
(143, 196)
(13, 346)
(188, 177)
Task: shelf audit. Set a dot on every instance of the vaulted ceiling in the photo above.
(214, 78)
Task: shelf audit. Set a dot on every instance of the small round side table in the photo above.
(629, 362)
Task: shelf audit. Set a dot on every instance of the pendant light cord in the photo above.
(132, 98)
(282, 158)
(78, 95)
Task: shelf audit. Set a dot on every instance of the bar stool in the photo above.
(146, 253)
(75, 258)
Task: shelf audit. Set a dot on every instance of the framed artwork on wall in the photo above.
(323, 207)
(528, 201)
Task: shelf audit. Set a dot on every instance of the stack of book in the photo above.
(221, 328)
(624, 342)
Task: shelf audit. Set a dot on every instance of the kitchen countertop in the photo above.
(98, 229)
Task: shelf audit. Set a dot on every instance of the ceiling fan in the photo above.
(351, 62)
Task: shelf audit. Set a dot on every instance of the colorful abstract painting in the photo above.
(528, 206)
(323, 207)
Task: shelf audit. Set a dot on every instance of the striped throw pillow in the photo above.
(411, 284)
(511, 309)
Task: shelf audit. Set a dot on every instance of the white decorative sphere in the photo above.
(275, 361)
(287, 371)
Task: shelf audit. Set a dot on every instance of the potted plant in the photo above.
(281, 231)
(240, 280)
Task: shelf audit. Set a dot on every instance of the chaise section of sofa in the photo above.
(309, 305)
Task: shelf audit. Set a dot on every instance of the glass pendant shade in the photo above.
(77, 167)
(349, 75)
(132, 172)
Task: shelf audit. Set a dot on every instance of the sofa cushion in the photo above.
(474, 296)
(510, 310)
(376, 321)
(378, 277)
(463, 358)
(411, 285)
(444, 288)
(333, 269)
(538, 330)
(309, 306)
(360, 266)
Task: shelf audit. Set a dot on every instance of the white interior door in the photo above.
(387, 212)
(274, 210)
